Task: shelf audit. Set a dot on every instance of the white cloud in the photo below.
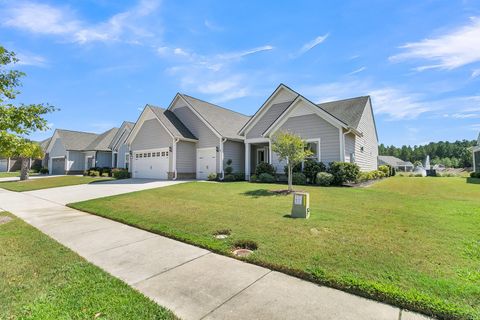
(212, 26)
(240, 54)
(25, 59)
(452, 50)
(466, 115)
(180, 52)
(61, 21)
(475, 73)
(312, 44)
(357, 70)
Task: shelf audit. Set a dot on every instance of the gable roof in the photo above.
(349, 111)
(172, 123)
(226, 122)
(44, 144)
(394, 161)
(125, 127)
(102, 141)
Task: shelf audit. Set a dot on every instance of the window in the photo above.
(158, 154)
(136, 155)
(127, 157)
(166, 153)
(153, 154)
(313, 147)
(145, 155)
(260, 155)
(149, 155)
(141, 155)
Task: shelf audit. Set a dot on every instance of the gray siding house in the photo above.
(193, 138)
(72, 152)
(396, 163)
(476, 156)
(341, 130)
(119, 146)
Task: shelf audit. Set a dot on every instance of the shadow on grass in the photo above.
(259, 193)
(473, 180)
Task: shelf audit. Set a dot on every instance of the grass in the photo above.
(412, 242)
(41, 279)
(50, 182)
(14, 174)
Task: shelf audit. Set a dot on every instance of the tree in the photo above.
(290, 148)
(18, 121)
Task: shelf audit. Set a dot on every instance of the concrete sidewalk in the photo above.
(194, 283)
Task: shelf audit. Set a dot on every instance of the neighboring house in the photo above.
(193, 138)
(190, 139)
(341, 130)
(44, 145)
(119, 147)
(396, 163)
(72, 152)
(476, 156)
(10, 164)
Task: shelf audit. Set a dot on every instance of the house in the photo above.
(341, 130)
(476, 156)
(72, 152)
(190, 139)
(119, 147)
(193, 138)
(396, 163)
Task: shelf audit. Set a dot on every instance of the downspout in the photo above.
(174, 159)
(344, 147)
(222, 141)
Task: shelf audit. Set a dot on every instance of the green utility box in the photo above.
(301, 205)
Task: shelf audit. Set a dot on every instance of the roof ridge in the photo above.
(78, 131)
(215, 105)
(367, 96)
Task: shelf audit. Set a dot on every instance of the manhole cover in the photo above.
(5, 219)
(242, 252)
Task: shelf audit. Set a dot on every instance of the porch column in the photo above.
(247, 161)
(270, 151)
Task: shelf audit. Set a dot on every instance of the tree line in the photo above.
(451, 154)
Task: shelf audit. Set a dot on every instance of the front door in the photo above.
(206, 162)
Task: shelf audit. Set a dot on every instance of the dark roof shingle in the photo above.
(172, 123)
(349, 111)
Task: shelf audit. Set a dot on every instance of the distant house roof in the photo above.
(172, 123)
(349, 111)
(44, 143)
(226, 122)
(83, 141)
(394, 161)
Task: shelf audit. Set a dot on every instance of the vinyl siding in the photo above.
(76, 161)
(104, 159)
(121, 155)
(206, 137)
(236, 151)
(313, 127)
(186, 157)
(266, 119)
(151, 135)
(366, 159)
(58, 149)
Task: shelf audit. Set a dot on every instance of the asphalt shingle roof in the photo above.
(82, 141)
(172, 123)
(394, 161)
(349, 111)
(102, 141)
(226, 122)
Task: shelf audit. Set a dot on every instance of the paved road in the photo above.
(192, 282)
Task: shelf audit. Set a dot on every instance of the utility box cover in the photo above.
(301, 205)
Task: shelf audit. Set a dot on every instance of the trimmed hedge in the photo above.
(344, 172)
(119, 173)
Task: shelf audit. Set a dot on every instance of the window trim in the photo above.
(319, 152)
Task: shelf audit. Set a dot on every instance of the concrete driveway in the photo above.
(82, 192)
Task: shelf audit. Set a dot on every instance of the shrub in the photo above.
(106, 170)
(266, 177)
(212, 176)
(229, 178)
(94, 173)
(324, 179)
(385, 169)
(105, 174)
(36, 167)
(475, 175)
(297, 168)
(311, 168)
(343, 172)
(253, 178)
(264, 167)
(43, 171)
(245, 244)
(299, 178)
(239, 176)
(229, 169)
(119, 173)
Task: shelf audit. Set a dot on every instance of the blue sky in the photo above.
(101, 61)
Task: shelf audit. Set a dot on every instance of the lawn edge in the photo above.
(437, 309)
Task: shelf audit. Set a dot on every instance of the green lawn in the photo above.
(50, 182)
(41, 279)
(13, 174)
(412, 242)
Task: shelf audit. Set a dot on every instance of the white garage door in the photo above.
(206, 162)
(3, 165)
(151, 164)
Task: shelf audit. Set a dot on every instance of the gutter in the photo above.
(174, 151)
(222, 141)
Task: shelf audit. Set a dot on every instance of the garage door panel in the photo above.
(151, 164)
(58, 166)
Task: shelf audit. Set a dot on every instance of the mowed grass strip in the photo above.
(41, 279)
(412, 242)
(50, 182)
